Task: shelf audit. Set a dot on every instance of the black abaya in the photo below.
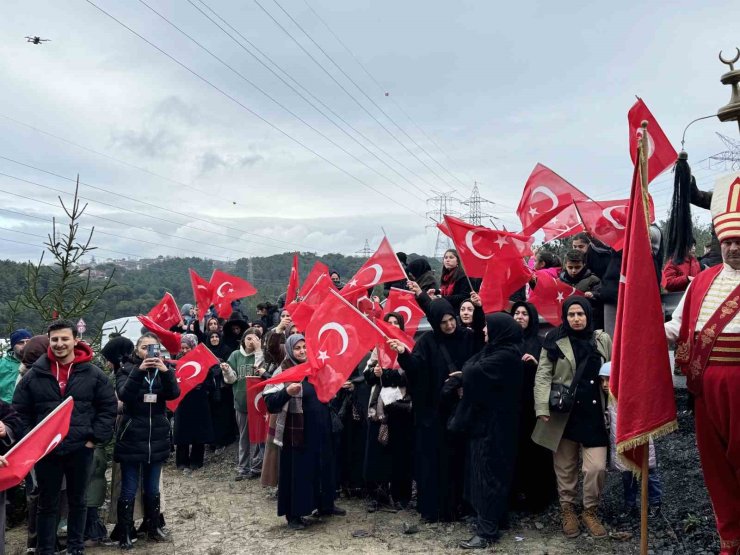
(438, 456)
(306, 473)
(489, 414)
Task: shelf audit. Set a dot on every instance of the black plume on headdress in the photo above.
(680, 228)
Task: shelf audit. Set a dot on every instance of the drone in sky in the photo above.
(36, 40)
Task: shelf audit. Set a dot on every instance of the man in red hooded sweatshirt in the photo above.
(66, 371)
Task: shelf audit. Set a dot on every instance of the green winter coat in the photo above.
(548, 434)
(242, 365)
(8, 375)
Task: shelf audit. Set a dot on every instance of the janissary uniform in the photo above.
(706, 328)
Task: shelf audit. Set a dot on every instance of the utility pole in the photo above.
(250, 270)
(731, 156)
(475, 213)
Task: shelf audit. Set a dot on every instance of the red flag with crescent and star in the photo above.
(545, 195)
(302, 311)
(381, 267)
(404, 303)
(606, 219)
(201, 291)
(190, 371)
(387, 357)
(226, 288)
(641, 380)
(661, 154)
(292, 291)
(566, 224)
(477, 245)
(548, 296)
(257, 416)
(337, 339)
(501, 280)
(166, 313)
(36, 444)
(170, 339)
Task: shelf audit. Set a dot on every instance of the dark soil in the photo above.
(208, 513)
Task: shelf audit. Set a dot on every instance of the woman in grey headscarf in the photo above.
(302, 429)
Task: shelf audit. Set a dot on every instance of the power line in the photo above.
(255, 114)
(314, 97)
(362, 107)
(278, 103)
(152, 205)
(363, 93)
(126, 224)
(380, 88)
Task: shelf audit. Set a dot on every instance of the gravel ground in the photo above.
(208, 513)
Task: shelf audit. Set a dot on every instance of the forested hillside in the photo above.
(136, 291)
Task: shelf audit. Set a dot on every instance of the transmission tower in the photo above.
(731, 156)
(365, 251)
(475, 213)
(441, 204)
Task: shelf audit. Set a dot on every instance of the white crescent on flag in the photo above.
(651, 144)
(546, 192)
(195, 365)
(405, 311)
(469, 236)
(378, 274)
(340, 330)
(56, 440)
(607, 213)
(220, 287)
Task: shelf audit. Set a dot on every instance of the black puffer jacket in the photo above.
(13, 425)
(143, 435)
(38, 393)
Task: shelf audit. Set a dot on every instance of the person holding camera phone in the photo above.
(570, 405)
(144, 385)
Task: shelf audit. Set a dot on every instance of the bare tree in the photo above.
(65, 288)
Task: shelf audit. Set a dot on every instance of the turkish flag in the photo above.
(166, 313)
(319, 269)
(293, 374)
(477, 245)
(337, 338)
(607, 219)
(292, 291)
(404, 303)
(192, 370)
(565, 224)
(545, 195)
(369, 307)
(387, 357)
(170, 339)
(302, 311)
(641, 380)
(382, 266)
(661, 154)
(36, 444)
(548, 296)
(202, 292)
(501, 280)
(257, 416)
(226, 288)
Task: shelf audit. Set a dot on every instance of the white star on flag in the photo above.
(501, 241)
(560, 297)
(323, 356)
(352, 283)
(533, 212)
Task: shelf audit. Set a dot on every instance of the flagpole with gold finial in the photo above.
(643, 161)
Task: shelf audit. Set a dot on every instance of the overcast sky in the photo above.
(490, 89)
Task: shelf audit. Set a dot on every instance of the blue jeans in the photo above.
(130, 479)
(632, 487)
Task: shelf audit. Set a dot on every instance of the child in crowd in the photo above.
(577, 275)
(629, 481)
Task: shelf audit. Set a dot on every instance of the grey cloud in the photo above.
(210, 161)
(174, 108)
(148, 143)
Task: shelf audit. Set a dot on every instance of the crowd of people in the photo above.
(463, 426)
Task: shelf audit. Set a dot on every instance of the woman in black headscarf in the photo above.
(488, 414)
(571, 348)
(439, 453)
(221, 402)
(534, 479)
(420, 271)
